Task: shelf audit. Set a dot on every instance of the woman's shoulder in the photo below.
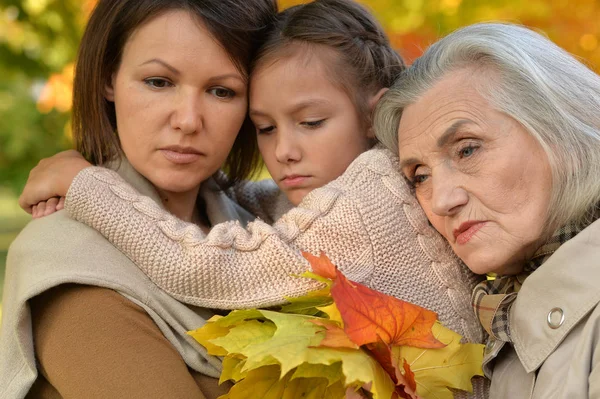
(55, 233)
(57, 249)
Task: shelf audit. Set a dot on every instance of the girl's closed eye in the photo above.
(157, 82)
(313, 124)
(265, 129)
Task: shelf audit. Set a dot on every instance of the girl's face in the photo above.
(179, 101)
(309, 129)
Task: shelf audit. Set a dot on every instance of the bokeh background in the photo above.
(39, 38)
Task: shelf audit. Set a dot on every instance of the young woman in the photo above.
(313, 127)
(80, 320)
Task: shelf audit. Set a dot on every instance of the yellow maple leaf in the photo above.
(264, 382)
(436, 370)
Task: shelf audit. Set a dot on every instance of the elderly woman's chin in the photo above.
(490, 258)
(496, 251)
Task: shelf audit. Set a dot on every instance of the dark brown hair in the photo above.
(239, 26)
(366, 61)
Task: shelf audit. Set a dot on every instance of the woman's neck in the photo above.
(182, 205)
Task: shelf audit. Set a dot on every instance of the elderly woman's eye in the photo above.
(467, 151)
(419, 179)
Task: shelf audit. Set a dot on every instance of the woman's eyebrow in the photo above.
(446, 137)
(163, 63)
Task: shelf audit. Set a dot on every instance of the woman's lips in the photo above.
(181, 155)
(466, 231)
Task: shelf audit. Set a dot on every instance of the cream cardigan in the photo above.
(367, 221)
(56, 249)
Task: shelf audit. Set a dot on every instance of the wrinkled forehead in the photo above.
(454, 98)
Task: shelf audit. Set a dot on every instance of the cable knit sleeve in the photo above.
(231, 267)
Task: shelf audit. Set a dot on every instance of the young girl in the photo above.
(312, 91)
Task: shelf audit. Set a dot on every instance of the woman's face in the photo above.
(308, 128)
(179, 102)
(482, 179)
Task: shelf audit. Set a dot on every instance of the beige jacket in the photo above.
(551, 359)
(57, 250)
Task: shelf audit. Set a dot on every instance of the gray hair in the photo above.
(554, 96)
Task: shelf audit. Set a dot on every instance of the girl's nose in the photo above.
(287, 149)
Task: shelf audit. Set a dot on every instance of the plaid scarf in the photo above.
(492, 299)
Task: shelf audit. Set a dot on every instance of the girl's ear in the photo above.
(109, 91)
(372, 103)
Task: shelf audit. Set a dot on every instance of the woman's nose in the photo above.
(447, 197)
(187, 116)
(287, 149)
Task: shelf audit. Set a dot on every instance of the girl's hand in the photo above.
(49, 182)
(45, 208)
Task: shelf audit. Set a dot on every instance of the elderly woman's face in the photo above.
(482, 179)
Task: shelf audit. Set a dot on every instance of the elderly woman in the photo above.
(498, 131)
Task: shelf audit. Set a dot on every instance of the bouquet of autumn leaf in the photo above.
(343, 341)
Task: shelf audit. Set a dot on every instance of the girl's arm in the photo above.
(49, 181)
(231, 267)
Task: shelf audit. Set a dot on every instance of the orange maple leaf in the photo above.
(335, 336)
(370, 316)
(321, 265)
(406, 385)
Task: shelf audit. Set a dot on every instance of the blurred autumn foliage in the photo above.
(38, 43)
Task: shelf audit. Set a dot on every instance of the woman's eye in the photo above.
(157, 83)
(222, 92)
(467, 151)
(313, 124)
(419, 179)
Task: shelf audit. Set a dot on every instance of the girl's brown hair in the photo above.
(239, 26)
(366, 61)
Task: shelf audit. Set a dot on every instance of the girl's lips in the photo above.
(294, 180)
(466, 231)
(180, 158)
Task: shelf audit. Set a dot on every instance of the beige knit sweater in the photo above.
(367, 221)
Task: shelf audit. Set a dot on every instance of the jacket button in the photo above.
(556, 318)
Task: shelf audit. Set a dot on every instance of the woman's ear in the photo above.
(373, 100)
(109, 91)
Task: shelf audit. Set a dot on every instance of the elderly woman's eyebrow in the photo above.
(449, 134)
(446, 137)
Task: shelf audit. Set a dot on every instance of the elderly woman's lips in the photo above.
(466, 231)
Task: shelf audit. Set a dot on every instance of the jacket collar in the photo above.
(124, 168)
(568, 280)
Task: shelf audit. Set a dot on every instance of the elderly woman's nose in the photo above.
(447, 197)
(187, 115)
